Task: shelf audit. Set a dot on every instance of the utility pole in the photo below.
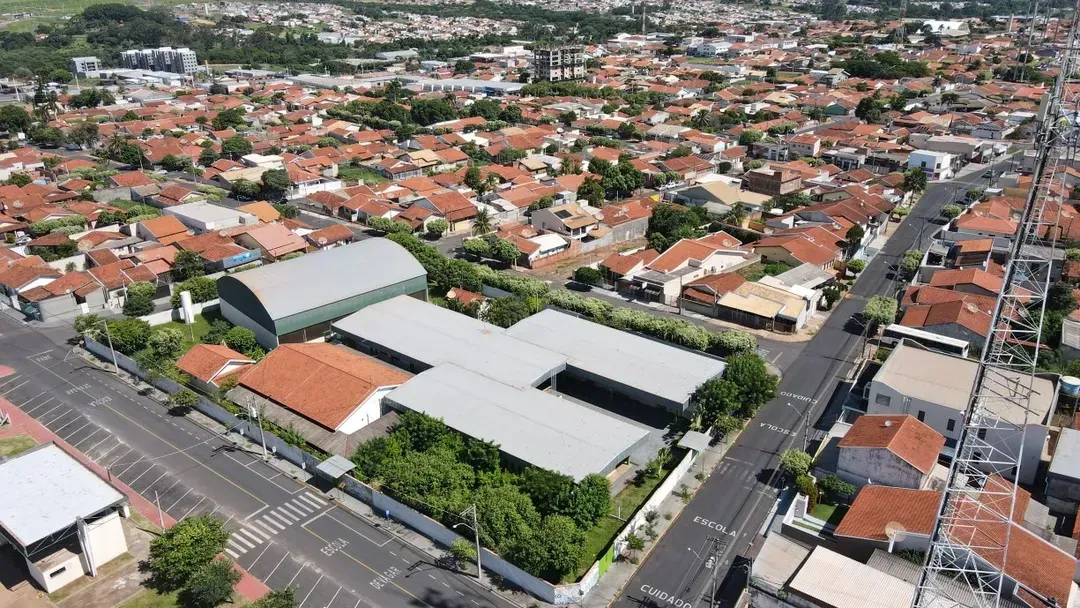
(476, 535)
(256, 414)
(108, 336)
(160, 516)
(710, 563)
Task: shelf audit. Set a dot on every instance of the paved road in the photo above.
(732, 505)
(283, 531)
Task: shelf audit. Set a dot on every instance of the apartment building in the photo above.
(555, 63)
(164, 59)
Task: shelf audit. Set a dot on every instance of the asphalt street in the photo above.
(283, 531)
(722, 521)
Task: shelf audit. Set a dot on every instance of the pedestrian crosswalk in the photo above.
(301, 507)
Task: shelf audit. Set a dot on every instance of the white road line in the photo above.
(289, 517)
(333, 598)
(259, 557)
(445, 585)
(318, 501)
(358, 603)
(26, 402)
(391, 553)
(313, 503)
(475, 602)
(246, 535)
(314, 518)
(236, 546)
(296, 503)
(431, 576)
(141, 475)
(270, 523)
(39, 354)
(81, 441)
(257, 531)
(40, 405)
(260, 510)
(171, 487)
(232, 553)
(151, 484)
(460, 593)
(262, 526)
(193, 508)
(108, 451)
(14, 388)
(13, 378)
(405, 560)
(58, 419)
(302, 566)
(120, 456)
(169, 508)
(297, 512)
(276, 567)
(76, 430)
(312, 590)
(277, 520)
(129, 466)
(242, 538)
(47, 413)
(358, 533)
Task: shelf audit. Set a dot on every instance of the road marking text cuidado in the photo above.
(664, 596)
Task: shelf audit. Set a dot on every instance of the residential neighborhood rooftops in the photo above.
(879, 510)
(911, 440)
(532, 426)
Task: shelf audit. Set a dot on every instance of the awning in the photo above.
(335, 467)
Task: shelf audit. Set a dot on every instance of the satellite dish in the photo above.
(84, 245)
(895, 531)
(222, 233)
(322, 240)
(17, 204)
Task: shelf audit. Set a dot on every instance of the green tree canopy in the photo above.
(183, 550)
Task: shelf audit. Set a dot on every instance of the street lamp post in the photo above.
(476, 535)
(108, 337)
(806, 424)
(254, 413)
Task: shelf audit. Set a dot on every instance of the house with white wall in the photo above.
(936, 388)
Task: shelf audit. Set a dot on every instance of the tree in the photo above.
(856, 266)
(504, 514)
(139, 299)
(879, 310)
(635, 543)
(208, 157)
(210, 586)
(181, 402)
(461, 552)
(795, 463)
(275, 183)
(218, 89)
(755, 384)
(714, 398)
(592, 191)
(436, 228)
(473, 178)
(909, 262)
(184, 549)
(505, 251)
(504, 312)
(19, 179)
(482, 222)
(188, 264)
(735, 341)
(589, 276)
(228, 119)
(591, 500)
(278, 598)
(235, 147)
(166, 342)
(950, 212)
(750, 136)
(915, 180)
(853, 238)
(552, 550)
(511, 114)
(240, 339)
(804, 484)
(175, 163)
(429, 111)
(464, 66)
(868, 110)
(83, 133)
(245, 189)
(92, 98)
(14, 119)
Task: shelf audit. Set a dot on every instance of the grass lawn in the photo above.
(199, 328)
(370, 176)
(600, 536)
(15, 445)
(829, 513)
(150, 599)
(754, 272)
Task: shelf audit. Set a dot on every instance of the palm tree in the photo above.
(700, 118)
(482, 222)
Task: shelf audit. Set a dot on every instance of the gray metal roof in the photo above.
(646, 365)
(45, 490)
(1066, 461)
(335, 466)
(528, 424)
(433, 335)
(321, 278)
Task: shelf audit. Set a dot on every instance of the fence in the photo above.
(177, 314)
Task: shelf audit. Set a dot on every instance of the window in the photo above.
(922, 416)
(883, 400)
(950, 425)
(58, 572)
(982, 433)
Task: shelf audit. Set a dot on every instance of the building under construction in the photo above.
(559, 62)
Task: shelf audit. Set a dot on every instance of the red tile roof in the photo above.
(321, 382)
(877, 508)
(914, 442)
(205, 361)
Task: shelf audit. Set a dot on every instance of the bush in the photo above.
(588, 276)
(203, 289)
(856, 266)
(951, 212)
(129, 336)
(734, 341)
(804, 484)
(880, 310)
(835, 487)
(166, 342)
(389, 226)
(478, 248)
(795, 463)
(182, 402)
(436, 228)
(240, 339)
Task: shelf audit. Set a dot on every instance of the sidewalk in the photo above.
(249, 587)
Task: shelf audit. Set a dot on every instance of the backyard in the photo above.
(757, 270)
(626, 502)
(351, 174)
(830, 514)
(199, 329)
